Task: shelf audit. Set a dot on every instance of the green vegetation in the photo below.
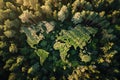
(59, 39)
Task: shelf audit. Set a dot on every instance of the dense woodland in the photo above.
(59, 39)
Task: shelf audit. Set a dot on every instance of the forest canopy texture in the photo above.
(59, 39)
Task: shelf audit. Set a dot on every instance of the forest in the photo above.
(59, 39)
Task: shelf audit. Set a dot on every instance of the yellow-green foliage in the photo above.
(59, 39)
(77, 37)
